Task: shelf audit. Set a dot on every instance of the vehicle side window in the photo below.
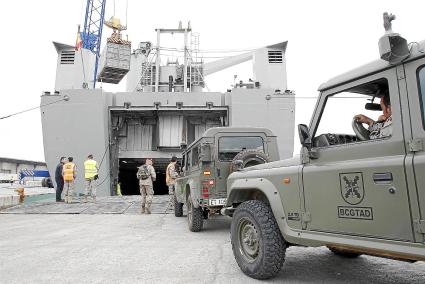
(195, 156)
(229, 147)
(184, 162)
(421, 83)
(336, 122)
(188, 160)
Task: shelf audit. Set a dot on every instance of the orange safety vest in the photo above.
(68, 171)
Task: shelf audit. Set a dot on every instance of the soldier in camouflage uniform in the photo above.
(146, 175)
(383, 127)
(170, 178)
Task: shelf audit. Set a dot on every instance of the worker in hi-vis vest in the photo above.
(90, 174)
(69, 172)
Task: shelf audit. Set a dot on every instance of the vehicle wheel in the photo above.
(44, 182)
(344, 253)
(178, 207)
(194, 216)
(249, 158)
(50, 183)
(257, 243)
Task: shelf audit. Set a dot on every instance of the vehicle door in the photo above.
(415, 81)
(188, 174)
(357, 187)
(228, 146)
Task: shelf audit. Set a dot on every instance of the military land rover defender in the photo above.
(349, 190)
(207, 163)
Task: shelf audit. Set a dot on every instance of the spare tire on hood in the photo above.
(248, 158)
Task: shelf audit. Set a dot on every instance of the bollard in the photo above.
(21, 192)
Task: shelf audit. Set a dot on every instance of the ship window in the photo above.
(421, 83)
(275, 56)
(229, 147)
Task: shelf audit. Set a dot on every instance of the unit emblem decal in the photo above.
(352, 189)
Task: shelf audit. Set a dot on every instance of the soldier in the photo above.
(69, 173)
(90, 174)
(383, 127)
(170, 178)
(146, 175)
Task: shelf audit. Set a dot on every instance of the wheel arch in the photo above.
(257, 189)
(240, 195)
(192, 192)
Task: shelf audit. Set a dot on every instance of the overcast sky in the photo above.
(325, 38)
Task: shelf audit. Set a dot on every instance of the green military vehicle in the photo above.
(207, 163)
(348, 190)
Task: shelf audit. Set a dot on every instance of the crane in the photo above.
(92, 31)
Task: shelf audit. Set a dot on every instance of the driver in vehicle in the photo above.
(381, 128)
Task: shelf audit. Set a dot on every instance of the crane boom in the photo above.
(92, 32)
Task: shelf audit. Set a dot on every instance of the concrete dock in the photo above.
(111, 242)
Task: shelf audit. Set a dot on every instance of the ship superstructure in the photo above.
(163, 109)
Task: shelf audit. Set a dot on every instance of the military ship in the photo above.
(163, 109)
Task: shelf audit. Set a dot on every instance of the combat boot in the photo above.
(143, 210)
(148, 210)
(171, 202)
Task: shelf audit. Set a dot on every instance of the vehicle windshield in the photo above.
(229, 147)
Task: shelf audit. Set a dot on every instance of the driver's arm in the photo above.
(364, 119)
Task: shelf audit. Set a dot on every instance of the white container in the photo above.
(115, 63)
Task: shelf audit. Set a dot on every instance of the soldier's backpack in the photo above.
(143, 172)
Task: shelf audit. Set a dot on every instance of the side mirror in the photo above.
(304, 135)
(206, 153)
(305, 140)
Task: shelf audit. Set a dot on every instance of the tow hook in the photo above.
(227, 211)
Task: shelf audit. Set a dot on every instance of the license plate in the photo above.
(218, 202)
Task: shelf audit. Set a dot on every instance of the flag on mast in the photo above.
(79, 41)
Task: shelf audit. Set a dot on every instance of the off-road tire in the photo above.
(249, 158)
(178, 207)
(44, 182)
(195, 218)
(269, 254)
(50, 183)
(344, 253)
